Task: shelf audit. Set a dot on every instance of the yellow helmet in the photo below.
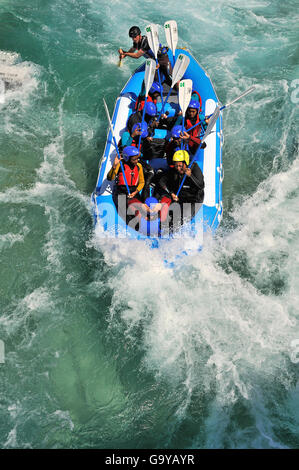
(181, 156)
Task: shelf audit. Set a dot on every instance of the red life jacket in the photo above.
(135, 141)
(140, 104)
(194, 132)
(131, 174)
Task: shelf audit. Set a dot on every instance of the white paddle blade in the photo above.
(153, 38)
(171, 34)
(185, 92)
(179, 68)
(149, 74)
(211, 124)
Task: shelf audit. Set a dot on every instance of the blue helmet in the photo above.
(151, 200)
(194, 104)
(150, 109)
(144, 131)
(130, 151)
(155, 88)
(176, 131)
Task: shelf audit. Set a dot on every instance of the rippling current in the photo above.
(105, 345)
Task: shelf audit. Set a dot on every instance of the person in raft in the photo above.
(193, 117)
(153, 94)
(149, 117)
(132, 139)
(192, 190)
(141, 48)
(133, 175)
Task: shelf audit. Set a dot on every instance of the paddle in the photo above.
(227, 105)
(153, 41)
(185, 92)
(115, 144)
(171, 34)
(209, 129)
(178, 72)
(149, 75)
(213, 118)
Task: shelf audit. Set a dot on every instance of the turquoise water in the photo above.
(105, 346)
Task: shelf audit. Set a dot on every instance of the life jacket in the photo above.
(140, 103)
(135, 141)
(194, 132)
(132, 177)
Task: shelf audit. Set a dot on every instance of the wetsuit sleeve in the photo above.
(141, 177)
(197, 176)
(163, 184)
(112, 173)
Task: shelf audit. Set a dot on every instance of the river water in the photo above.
(105, 345)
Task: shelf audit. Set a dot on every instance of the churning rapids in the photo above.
(106, 346)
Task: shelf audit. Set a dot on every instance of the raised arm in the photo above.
(131, 53)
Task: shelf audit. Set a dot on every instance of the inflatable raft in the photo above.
(108, 222)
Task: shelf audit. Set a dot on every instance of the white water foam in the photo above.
(210, 328)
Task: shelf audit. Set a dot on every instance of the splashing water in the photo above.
(105, 344)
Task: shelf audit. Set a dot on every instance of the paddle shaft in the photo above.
(209, 129)
(142, 121)
(116, 146)
(148, 81)
(178, 72)
(159, 78)
(121, 164)
(162, 109)
(226, 106)
(183, 128)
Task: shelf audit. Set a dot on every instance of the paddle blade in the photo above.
(185, 92)
(211, 124)
(152, 35)
(179, 68)
(149, 74)
(171, 34)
